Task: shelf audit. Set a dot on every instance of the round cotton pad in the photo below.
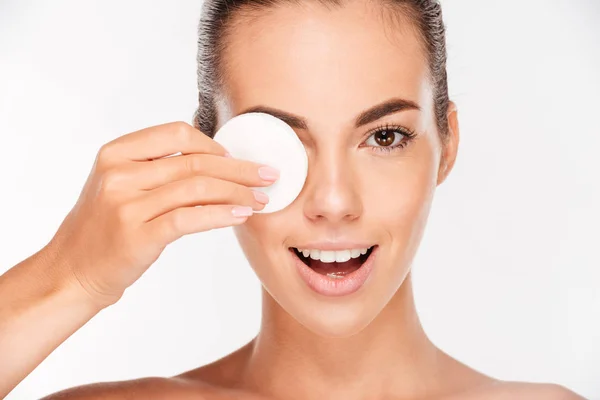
(265, 139)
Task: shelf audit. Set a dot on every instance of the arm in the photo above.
(135, 202)
(38, 311)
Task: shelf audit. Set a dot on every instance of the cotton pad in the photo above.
(265, 139)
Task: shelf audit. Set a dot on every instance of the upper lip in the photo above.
(333, 246)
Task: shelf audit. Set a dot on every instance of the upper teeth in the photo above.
(333, 256)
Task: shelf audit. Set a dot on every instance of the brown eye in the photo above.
(387, 139)
(384, 137)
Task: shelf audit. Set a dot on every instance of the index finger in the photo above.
(162, 140)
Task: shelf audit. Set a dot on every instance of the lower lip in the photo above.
(328, 286)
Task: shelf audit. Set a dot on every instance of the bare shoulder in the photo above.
(152, 388)
(144, 388)
(214, 381)
(548, 391)
(186, 386)
(501, 390)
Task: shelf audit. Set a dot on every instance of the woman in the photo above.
(363, 83)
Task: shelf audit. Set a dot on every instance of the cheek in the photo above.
(398, 195)
(249, 237)
(258, 227)
(259, 239)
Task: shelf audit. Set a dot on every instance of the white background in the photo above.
(508, 272)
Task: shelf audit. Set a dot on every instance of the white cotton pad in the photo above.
(265, 139)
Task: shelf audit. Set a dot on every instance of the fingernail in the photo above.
(268, 173)
(227, 154)
(242, 211)
(260, 196)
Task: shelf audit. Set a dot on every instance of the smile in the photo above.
(334, 273)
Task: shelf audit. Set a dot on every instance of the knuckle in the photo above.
(199, 187)
(109, 180)
(243, 170)
(175, 223)
(242, 194)
(210, 215)
(124, 213)
(193, 164)
(182, 131)
(105, 152)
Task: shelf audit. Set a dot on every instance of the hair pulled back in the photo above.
(217, 22)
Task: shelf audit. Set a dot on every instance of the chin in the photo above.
(335, 299)
(335, 321)
(328, 313)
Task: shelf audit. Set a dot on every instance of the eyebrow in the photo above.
(372, 114)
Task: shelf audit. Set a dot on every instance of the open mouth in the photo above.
(334, 264)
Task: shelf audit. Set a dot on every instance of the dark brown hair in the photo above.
(217, 22)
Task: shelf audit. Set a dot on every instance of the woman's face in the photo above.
(328, 66)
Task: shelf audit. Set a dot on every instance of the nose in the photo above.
(332, 189)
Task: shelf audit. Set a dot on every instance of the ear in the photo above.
(450, 144)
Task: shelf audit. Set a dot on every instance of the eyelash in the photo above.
(407, 133)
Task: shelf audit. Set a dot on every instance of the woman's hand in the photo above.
(136, 201)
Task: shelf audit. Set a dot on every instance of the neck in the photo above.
(391, 356)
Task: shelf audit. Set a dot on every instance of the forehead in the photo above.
(324, 63)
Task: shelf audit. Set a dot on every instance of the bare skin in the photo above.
(369, 344)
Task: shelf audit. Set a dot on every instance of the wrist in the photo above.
(63, 278)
